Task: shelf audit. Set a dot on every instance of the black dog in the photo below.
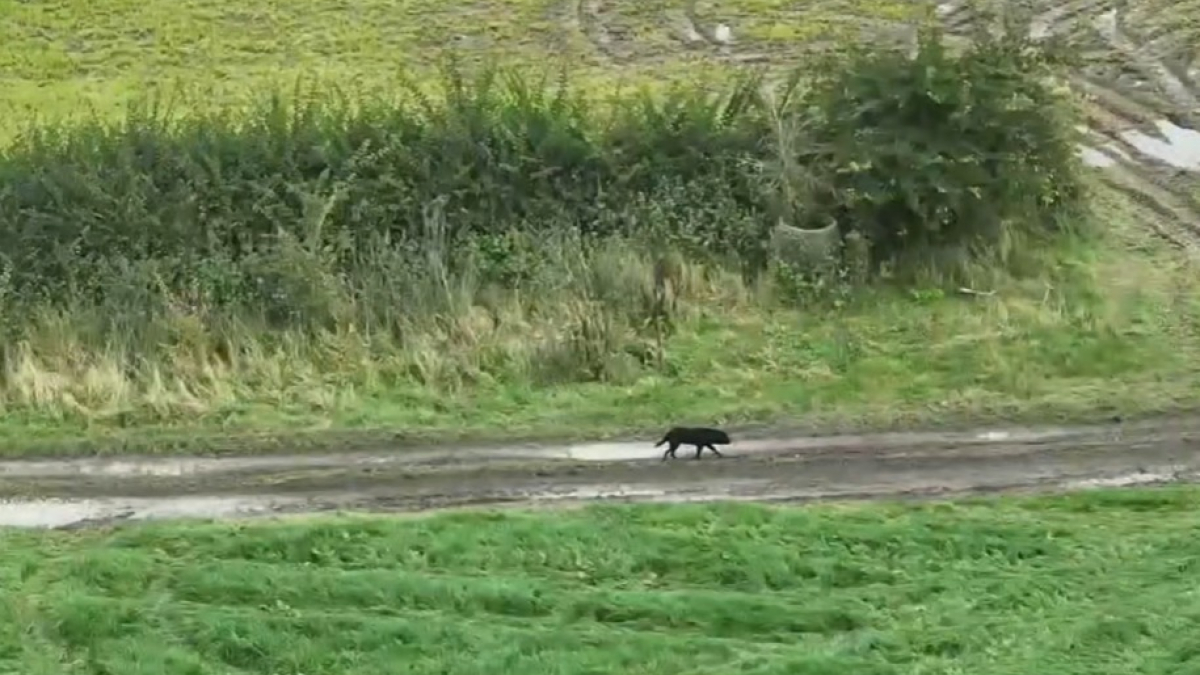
(700, 437)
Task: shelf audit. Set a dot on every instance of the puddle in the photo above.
(1179, 147)
(1096, 158)
(608, 452)
(1106, 23)
(1139, 478)
(166, 468)
(61, 512)
(994, 436)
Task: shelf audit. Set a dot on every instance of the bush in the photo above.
(941, 158)
(506, 205)
(496, 156)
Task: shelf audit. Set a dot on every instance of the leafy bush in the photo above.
(495, 155)
(941, 153)
(918, 154)
(504, 206)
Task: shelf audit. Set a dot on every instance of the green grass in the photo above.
(69, 56)
(1118, 308)
(1101, 582)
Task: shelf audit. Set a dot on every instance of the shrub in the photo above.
(318, 229)
(942, 157)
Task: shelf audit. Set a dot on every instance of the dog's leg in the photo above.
(715, 450)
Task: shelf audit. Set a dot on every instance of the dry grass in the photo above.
(1121, 310)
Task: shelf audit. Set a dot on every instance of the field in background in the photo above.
(1099, 582)
(60, 56)
(1119, 308)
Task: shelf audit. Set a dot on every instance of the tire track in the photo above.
(594, 22)
(718, 40)
(1179, 224)
(1150, 182)
(1112, 27)
(1129, 96)
(1064, 18)
(956, 16)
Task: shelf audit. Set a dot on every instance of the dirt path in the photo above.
(83, 492)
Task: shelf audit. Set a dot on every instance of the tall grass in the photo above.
(582, 316)
(506, 230)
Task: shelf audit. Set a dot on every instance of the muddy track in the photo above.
(893, 465)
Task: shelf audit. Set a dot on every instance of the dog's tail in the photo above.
(664, 440)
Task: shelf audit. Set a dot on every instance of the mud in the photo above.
(870, 466)
(1175, 146)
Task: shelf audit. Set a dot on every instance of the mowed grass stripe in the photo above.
(754, 617)
(1078, 584)
(277, 638)
(174, 610)
(739, 547)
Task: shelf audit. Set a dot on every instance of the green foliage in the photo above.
(502, 154)
(346, 229)
(943, 157)
(496, 155)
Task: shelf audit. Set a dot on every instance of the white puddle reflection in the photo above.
(60, 512)
(1095, 158)
(1179, 147)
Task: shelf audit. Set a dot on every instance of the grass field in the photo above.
(1102, 582)
(57, 58)
(1118, 307)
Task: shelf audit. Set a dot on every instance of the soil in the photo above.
(89, 492)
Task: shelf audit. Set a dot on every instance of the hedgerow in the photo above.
(387, 214)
